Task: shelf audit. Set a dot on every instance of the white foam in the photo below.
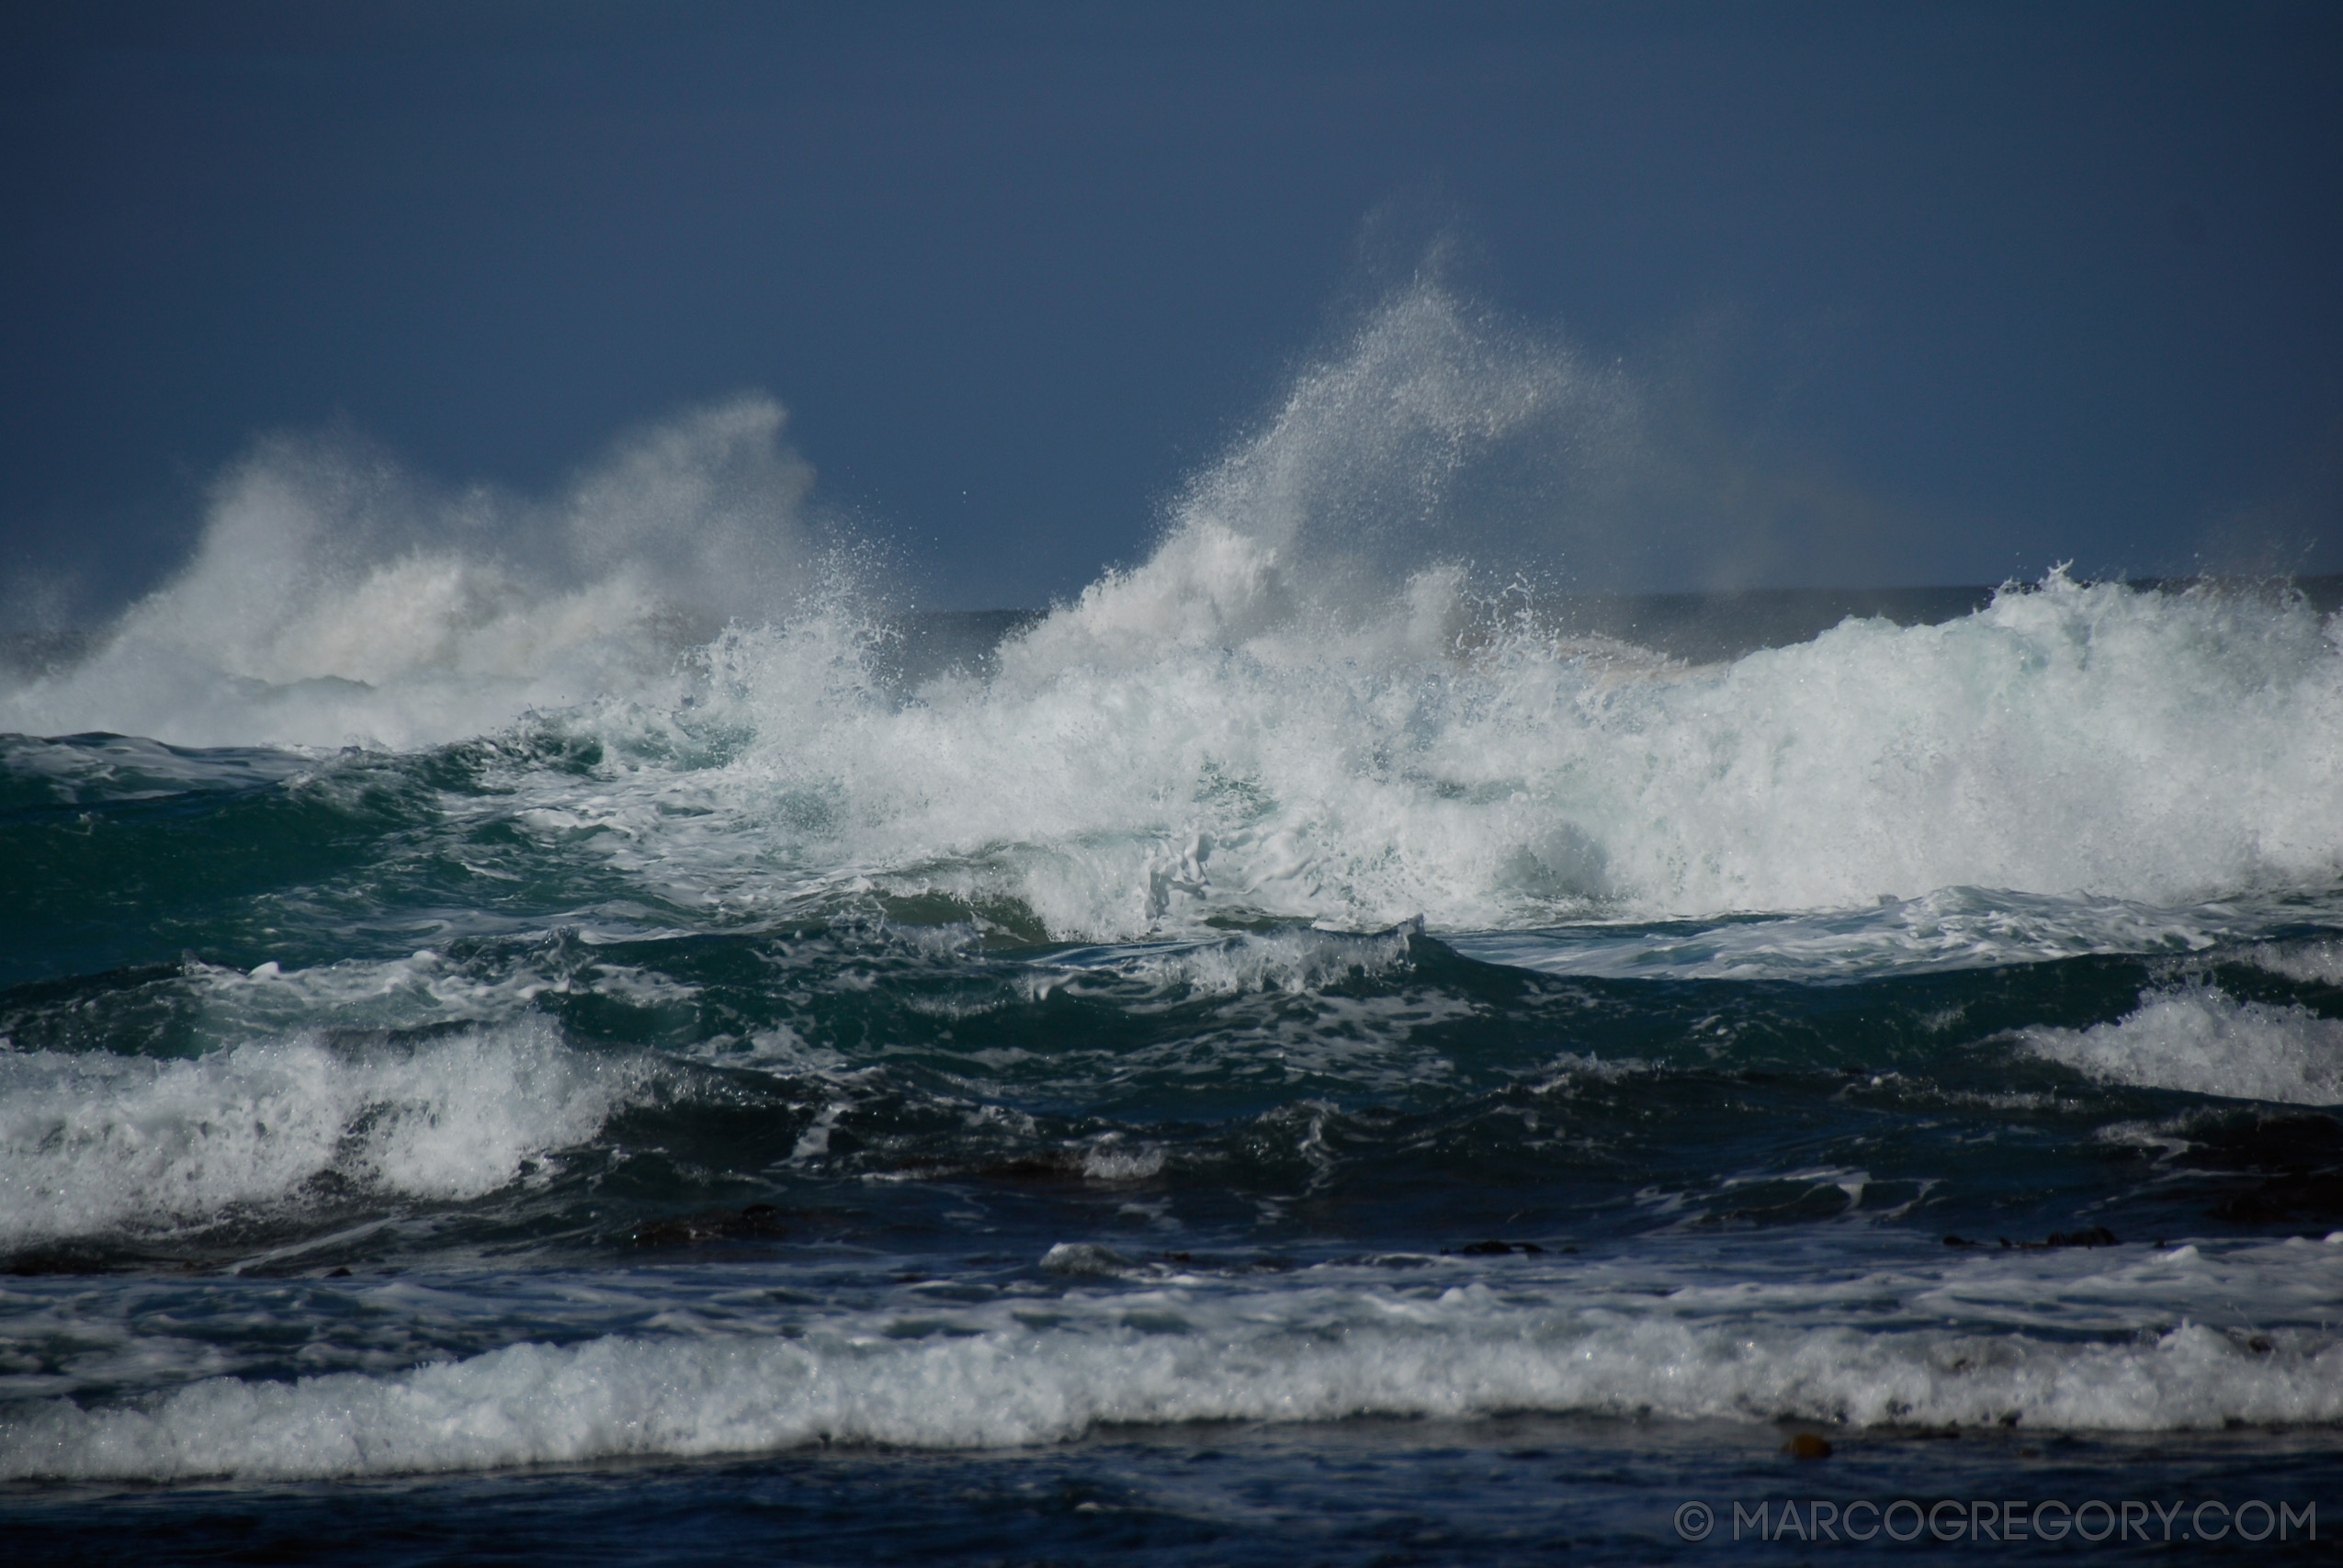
(93, 1143)
(2316, 961)
(1299, 707)
(2108, 747)
(1293, 961)
(1592, 1338)
(423, 988)
(1113, 1162)
(2204, 1041)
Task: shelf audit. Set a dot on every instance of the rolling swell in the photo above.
(558, 1096)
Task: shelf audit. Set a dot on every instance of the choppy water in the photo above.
(1249, 1062)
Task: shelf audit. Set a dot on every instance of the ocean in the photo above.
(574, 1054)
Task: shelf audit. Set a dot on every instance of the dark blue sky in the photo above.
(1989, 286)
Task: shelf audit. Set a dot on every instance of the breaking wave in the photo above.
(2203, 1041)
(951, 1375)
(94, 1144)
(1310, 703)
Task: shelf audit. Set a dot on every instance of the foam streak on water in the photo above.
(720, 1371)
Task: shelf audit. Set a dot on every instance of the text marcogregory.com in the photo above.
(1996, 1519)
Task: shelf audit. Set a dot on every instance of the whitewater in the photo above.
(498, 982)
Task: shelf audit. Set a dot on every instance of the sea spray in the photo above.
(336, 598)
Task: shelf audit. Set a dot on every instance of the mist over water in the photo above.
(334, 599)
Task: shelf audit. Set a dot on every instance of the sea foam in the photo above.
(2206, 1042)
(2087, 741)
(1038, 1371)
(94, 1144)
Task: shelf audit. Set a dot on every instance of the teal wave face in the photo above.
(568, 1096)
